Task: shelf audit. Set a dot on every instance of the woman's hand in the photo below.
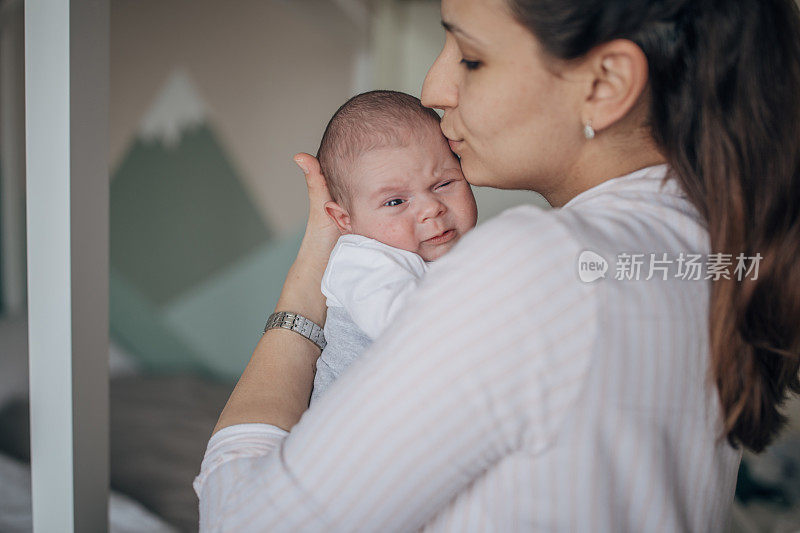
(321, 232)
(301, 292)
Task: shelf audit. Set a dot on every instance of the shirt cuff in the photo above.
(236, 442)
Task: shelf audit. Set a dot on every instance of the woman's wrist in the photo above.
(301, 293)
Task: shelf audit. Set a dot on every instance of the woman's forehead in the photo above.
(466, 14)
(486, 24)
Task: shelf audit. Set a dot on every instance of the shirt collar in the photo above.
(647, 178)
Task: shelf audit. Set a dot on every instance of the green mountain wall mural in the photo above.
(179, 214)
(181, 221)
(221, 320)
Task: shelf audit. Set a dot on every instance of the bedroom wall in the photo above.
(208, 102)
(267, 71)
(270, 73)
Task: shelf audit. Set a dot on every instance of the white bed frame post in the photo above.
(66, 115)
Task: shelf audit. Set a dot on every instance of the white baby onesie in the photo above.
(366, 283)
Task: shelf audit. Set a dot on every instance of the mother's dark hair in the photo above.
(725, 111)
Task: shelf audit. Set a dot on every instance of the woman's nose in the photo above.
(439, 89)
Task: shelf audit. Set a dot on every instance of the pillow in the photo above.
(159, 430)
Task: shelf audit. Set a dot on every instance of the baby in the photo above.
(400, 202)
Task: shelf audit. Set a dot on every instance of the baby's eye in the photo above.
(393, 202)
(445, 184)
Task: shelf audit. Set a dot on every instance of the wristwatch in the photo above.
(299, 324)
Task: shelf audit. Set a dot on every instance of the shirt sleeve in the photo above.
(371, 280)
(485, 361)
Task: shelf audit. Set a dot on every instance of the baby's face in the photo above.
(413, 197)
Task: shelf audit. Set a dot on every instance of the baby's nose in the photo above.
(432, 208)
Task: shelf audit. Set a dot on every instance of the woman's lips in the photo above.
(442, 238)
(454, 145)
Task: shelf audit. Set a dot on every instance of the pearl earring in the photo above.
(588, 130)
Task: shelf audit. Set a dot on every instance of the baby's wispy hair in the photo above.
(368, 121)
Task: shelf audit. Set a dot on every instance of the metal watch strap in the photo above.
(299, 324)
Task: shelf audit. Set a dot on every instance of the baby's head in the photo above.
(393, 177)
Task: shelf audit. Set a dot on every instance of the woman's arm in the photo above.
(475, 368)
(276, 385)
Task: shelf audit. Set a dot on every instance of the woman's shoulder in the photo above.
(520, 220)
(524, 226)
(525, 245)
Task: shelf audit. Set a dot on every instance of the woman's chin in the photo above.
(480, 176)
(476, 174)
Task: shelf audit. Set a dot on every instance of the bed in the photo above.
(159, 426)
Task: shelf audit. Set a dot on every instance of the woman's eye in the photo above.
(470, 65)
(394, 202)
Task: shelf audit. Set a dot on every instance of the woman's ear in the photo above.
(340, 217)
(617, 75)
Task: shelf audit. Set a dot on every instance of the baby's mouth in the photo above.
(442, 237)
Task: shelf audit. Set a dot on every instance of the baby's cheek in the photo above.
(402, 236)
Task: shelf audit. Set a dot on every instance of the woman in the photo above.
(512, 395)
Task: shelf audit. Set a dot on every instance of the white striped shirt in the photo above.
(511, 395)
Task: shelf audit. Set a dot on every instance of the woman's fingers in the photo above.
(318, 193)
(321, 231)
(317, 188)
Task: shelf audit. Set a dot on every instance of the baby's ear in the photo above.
(340, 217)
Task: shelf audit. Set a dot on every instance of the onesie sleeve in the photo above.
(371, 280)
